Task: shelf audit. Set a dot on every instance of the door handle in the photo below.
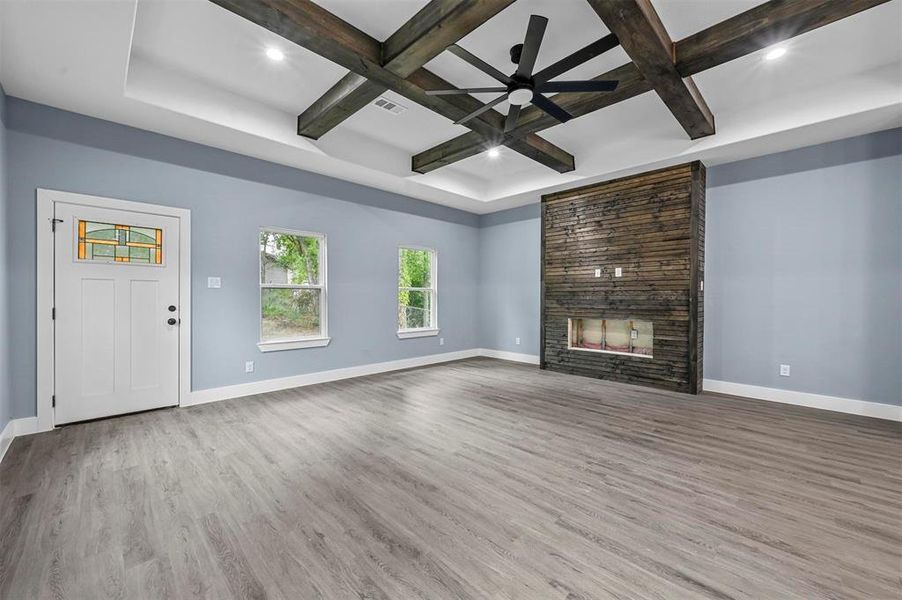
(172, 321)
(172, 308)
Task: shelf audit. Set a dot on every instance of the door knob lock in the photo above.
(172, 308)
(172, 321)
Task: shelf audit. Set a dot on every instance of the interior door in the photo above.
(116, 290)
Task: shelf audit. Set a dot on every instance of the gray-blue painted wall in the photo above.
(804, 257)
(364, 236)
(5, 373)
(803, 266)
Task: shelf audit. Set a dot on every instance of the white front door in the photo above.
(116, 293)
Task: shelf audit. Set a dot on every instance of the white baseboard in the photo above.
(532, 359)
(14, 429)
(284, 383)
(834, 403)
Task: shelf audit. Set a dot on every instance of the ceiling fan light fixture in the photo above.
(520, 96)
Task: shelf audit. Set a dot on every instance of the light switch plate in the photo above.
(214, 282)
(618, 272)
(598, 272)
(784, 370)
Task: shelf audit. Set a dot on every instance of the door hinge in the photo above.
(53, 401)
(53, 223)
(53, 314)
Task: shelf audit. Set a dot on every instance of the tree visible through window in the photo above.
(416, 289)
(292, 286)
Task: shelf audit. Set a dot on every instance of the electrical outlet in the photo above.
(517, 341)
(784, 370)
(214, 282)
(441, 341)
(249, 366)
(618, 272)
(598, 272)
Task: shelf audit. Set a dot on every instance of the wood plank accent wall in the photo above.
(651, 225)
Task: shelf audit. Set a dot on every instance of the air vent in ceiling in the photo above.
(392, 107)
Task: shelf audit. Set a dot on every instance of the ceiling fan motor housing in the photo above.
(516, 52)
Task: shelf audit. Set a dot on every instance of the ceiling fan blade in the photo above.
(534, 34)
(478, 63)
(577, 58)
(591, 85)
(479, 111)
(486, 90)
(551, 108)
(510, 123)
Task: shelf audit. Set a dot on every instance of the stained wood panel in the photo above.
(652, 226)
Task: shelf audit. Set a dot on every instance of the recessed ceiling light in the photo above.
(494, 152)
(775, 53)
(275, 54)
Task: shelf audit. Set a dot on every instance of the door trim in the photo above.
(44, 304)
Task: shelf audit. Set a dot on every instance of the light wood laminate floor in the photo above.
(474, 479)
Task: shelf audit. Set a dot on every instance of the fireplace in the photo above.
(611, 336)
(622, 270)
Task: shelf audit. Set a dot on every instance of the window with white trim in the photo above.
(417, 292)
(292, 290)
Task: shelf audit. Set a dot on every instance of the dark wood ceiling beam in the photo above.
(645, 40)
(424, 36)
(762, 26)
(747, 32)
(350, 94)
(310, 26)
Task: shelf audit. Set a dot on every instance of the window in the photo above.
(417, 292)
(106, 242)
(292, 290)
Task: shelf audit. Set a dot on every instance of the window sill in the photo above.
(416, 333)
(293, 344)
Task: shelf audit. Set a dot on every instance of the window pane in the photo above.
(290, 313)
(415, 269)
(289, 259)
(414, 309)
(120, 243)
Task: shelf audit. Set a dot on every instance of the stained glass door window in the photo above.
(108, 242)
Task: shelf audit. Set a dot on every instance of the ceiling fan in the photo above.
(523, 86)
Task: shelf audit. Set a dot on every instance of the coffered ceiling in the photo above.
(194, 70)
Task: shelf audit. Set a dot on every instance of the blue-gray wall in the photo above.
(5, 373)
(804, 257)
(230, 197)
(509, 280)
(803, 267)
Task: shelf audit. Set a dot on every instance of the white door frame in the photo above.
(44, 306)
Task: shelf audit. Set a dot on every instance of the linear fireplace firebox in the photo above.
(612, 336)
